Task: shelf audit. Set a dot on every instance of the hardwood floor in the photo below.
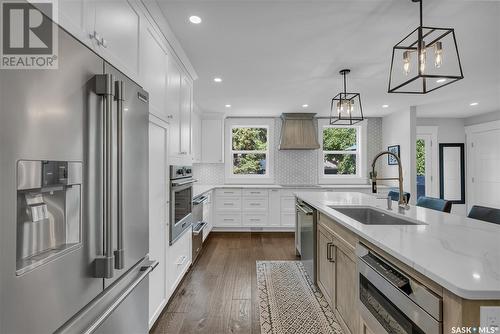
(219, 294)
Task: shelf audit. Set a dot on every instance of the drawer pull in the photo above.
(228, 219)
(255, 220)
(254, 204)
(228, 204)
(255, 192)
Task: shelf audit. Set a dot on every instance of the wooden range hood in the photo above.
(298, 132)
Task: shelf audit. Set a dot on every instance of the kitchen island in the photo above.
(454, 257)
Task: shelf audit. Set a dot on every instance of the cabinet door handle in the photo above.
(328, 251)
(330, 245)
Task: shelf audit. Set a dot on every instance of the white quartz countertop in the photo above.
(459, 253)
(199, 189)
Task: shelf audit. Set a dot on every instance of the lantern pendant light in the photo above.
(425, 60)
(346, 108)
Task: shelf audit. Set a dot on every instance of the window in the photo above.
(340, 150)
(249, 150)
(341, 155)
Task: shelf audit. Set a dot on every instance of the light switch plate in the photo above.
(490, 316)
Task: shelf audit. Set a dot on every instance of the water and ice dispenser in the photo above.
(49, 210)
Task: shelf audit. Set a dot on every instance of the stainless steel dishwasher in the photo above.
(305, 237)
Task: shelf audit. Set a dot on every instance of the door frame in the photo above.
(432, 131)
(469, 156)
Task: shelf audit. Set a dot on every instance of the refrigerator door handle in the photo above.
(119, 252)
(104, 87)
(143, 273)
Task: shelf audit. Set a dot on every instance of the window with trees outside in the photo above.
(341, 151)
(249, 151)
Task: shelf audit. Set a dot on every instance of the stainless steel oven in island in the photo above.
(73, 197)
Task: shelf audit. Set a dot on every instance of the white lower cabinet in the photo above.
(228, 204)
(255, 219)
(287, 219)
(271, 209)
(254, 204)
(178, 260)
(228, 219)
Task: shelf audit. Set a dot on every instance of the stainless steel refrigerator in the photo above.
(73, 198)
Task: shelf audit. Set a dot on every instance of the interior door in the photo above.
(484, 172)
(158, 215)
(135, 174)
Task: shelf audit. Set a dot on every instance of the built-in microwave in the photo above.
(390, 301)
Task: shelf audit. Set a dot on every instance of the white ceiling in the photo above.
(275, 56)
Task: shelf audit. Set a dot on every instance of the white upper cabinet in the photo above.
(153, 68)
(115, 28)
(173, 102)
(185, 115)
(196, 135)
(212, 142)
(72, 18)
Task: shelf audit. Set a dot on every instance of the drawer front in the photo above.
(288, 219)
(228, 192)
(255, 204)
(255, 219)
(179, 259)
(228, 203)
(288, 204)
(227, 219)
(255, 192)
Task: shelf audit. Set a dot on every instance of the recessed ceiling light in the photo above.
(473, 104)
(305, 105)
(440, 80)
(228, 106)
(385, 106)
(195, 19)
(476, 276)
(217, 79)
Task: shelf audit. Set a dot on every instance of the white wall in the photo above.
(450, 130)
(399, 128)
(484, 118)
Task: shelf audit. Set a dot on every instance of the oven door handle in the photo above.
(176, 184)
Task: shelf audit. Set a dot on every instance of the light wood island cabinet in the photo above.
(337, 278)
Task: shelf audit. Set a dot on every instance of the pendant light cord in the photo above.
(345, 86)
(421, 14)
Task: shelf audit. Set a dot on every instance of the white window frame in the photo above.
(361, 165)
(230, 177)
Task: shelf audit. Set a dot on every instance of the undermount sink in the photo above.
(369, 216)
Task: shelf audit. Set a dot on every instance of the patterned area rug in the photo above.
(290, 303)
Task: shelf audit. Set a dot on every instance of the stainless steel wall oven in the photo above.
(181, 197)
